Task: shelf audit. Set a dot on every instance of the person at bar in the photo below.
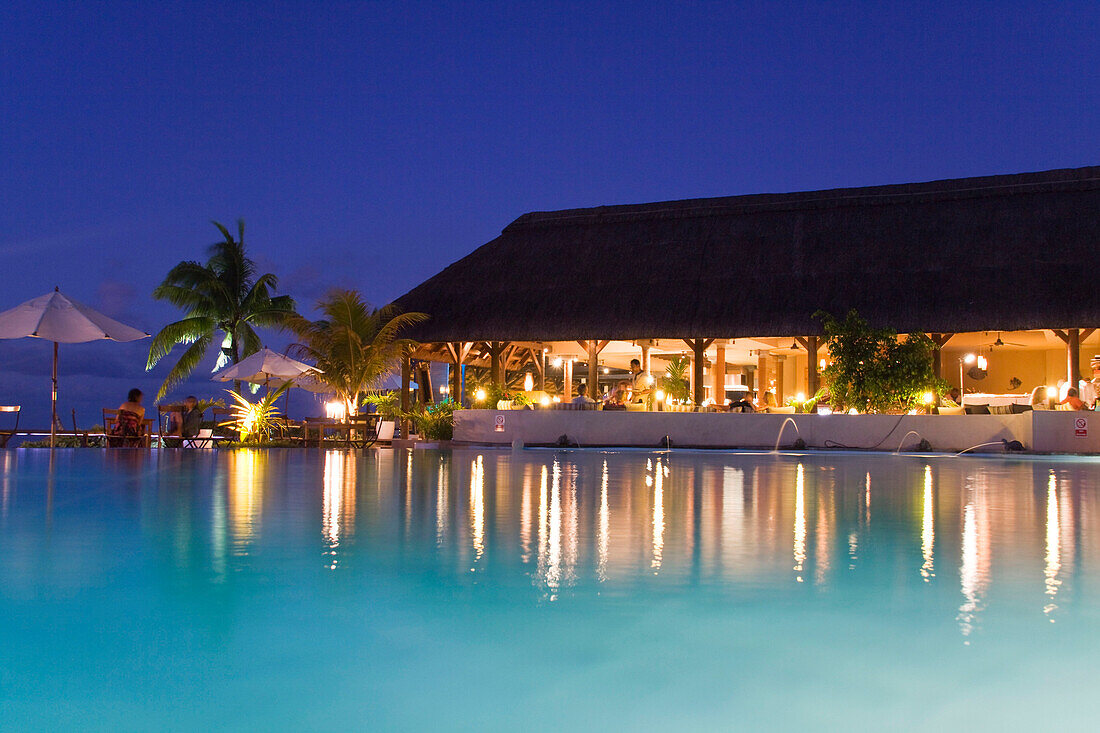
(1074, 402)
(743, 404)
(641, 384)
(582, 397)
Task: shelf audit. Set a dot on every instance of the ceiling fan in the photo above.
(999, 342)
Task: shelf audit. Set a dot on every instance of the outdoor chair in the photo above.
(950, 410)
(143, 440)
(385, 431)
(6, 434)
(222, 416)
(362, 430)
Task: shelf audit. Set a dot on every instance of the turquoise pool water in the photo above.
(541, 590)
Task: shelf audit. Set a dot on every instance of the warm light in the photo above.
(928, 398)
(969, 359)
(336, 410)
(1052, 393)
(726, 402)
(443, 389)
(853, 411)
(824, 410)
(528, 382)
(606, 370)
(649, 379)
(556, 363)
(544, 401)
(822, 363)
(982, 363)
(479, 395)
(557, 399)
(660, 395)
(800, 397)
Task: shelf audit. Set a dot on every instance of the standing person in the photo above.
(640, 383)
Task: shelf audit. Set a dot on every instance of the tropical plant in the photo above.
(255, 421)
(872, 370)
(386, 404)
(223, 298)
(353, 345)
(675, 382)
(436, 422)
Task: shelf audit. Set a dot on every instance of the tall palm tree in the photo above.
(353, 346)
(222, 298)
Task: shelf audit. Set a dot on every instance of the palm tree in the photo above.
(353, 346)
(222, 298)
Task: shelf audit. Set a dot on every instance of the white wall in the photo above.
(735, 430)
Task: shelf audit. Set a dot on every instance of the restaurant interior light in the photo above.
(659, 395)
(982, 363)
(800, 397)
(544, 400)
(443, 389)
(479, 395)
(528, 382)
(606, 370)
(928, 398)
(969, 359)
(556, 363)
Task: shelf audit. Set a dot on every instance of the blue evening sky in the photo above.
(370, 144)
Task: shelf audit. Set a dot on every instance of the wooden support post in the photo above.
(458, 351)
(496, 362)
(567, 380)
(645, 358)
(424, 382)
(540, 364)
(1073, 357)
(779, 392)
(761, 375)
(1071, 337)
(593, 370)
(718, 388)
(812, 377)
(810, 344)
(940, 339)
(699, 354)
(406, 373)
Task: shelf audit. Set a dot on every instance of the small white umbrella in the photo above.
(58, 318)
(264, 367)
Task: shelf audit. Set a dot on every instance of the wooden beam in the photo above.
(812, 377)
(406, 373)
(940, 340)
(1060, 334)
(1073, 357)
(1086, 332)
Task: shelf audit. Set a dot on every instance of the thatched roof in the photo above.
(1006, 253)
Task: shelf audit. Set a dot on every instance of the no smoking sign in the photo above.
(1081, 427)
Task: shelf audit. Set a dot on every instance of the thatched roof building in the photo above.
(1007, 252)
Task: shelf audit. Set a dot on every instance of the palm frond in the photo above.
(187, 363)
(186, 331)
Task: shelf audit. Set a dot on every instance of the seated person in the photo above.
(187, 422)
(582, 397)
(130, 414)
(767, 399)
(953, 398)
(1074, 402)
(743, 404)
(619, 397)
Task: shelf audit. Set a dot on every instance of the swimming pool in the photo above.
(542, 590)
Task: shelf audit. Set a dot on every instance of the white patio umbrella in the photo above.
(58, 318)
(264, 367)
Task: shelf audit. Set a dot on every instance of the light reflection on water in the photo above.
(968, 551)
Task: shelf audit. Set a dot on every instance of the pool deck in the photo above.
(1038, 431)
